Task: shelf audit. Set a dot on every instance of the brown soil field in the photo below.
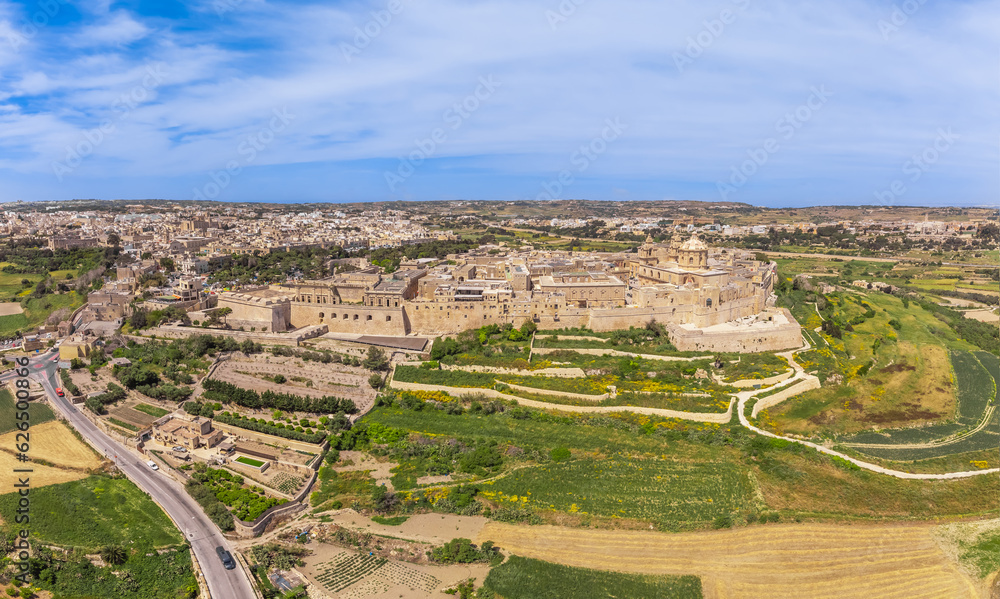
(800, 560)
(10, 308)
(55, 444)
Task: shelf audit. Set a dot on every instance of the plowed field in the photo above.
(801, 560)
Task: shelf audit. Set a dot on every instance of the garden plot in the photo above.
(369, 575)
(132, 416)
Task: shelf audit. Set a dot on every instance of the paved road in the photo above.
(192, 521)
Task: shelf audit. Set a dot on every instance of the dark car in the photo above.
(226, 557)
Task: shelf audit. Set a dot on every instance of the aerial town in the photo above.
(365, 400)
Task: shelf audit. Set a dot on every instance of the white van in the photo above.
(153, 465)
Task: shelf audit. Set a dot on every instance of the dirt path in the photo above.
(805, 560)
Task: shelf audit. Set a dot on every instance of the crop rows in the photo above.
(975, 387)
(348, 569)
(905, 436)
(286, 483)
(987, 438)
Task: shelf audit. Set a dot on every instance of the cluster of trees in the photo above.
(25, 257)
(268, 428)
(277, 266)
(114, 394)
(216, 511)
(142, 318)
(68, 384)
(981, 334)
(247, 504)
(315, 356)
(389, 258)
(462, 551)
(224, 392)
(476, 341)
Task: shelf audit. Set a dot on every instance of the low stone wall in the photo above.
(582, 337)
(292, 339)
(593, 351)
(569, 373)
(249, 530)
(772, 400)
(537, 391)
(748, 383)
(459, 391)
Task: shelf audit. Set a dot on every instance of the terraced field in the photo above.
(816, 561)
(618, 487)
(976, 375)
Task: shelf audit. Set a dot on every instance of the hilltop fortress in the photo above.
(709, 299)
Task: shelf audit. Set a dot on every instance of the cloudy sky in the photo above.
(777, 102)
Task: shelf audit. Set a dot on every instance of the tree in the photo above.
(146, 256)
(167, 264)
(375, 381)
(114, 240)
(279, 378)
(113, 554)
(376, 359)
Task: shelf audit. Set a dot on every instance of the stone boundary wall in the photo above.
(569, 373)
(767, 338)
(538, 391)
(561, 337)
(748, 383)
(292, 339)
(270, 439)
(614, 352)
(772, 400)
(248, 530)
(460, 391)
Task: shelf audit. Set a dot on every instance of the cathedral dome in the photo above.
(694, 245)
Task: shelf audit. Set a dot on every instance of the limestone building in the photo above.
(683, 284)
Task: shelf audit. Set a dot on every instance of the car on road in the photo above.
(179, 448)
(226, 557)
(60, 392)
(152, 465)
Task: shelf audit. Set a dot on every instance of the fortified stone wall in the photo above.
(352, 318)
(759, 338)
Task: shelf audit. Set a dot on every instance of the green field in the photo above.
(250, 461)
(651, 490)
(522, 578)
(976, 391)
(38, 412)
(143, 576)
(151, 410)
(37, 310)
(93, 512)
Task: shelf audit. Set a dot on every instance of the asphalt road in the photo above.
(197, 528)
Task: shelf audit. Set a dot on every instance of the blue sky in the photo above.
(777, 103)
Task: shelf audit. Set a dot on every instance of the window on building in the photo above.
(388, 318)
(369, 317)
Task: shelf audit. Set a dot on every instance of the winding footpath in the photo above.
(800, 374)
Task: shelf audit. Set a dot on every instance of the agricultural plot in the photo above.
(523, 578)
(286, 483)
(38, 412)
(369, 575)
(804, 560)
(153, 411)
(976, 392)
(132, 417)
(650, 490)
(93, 512)
(64, 458)
(976, 388)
